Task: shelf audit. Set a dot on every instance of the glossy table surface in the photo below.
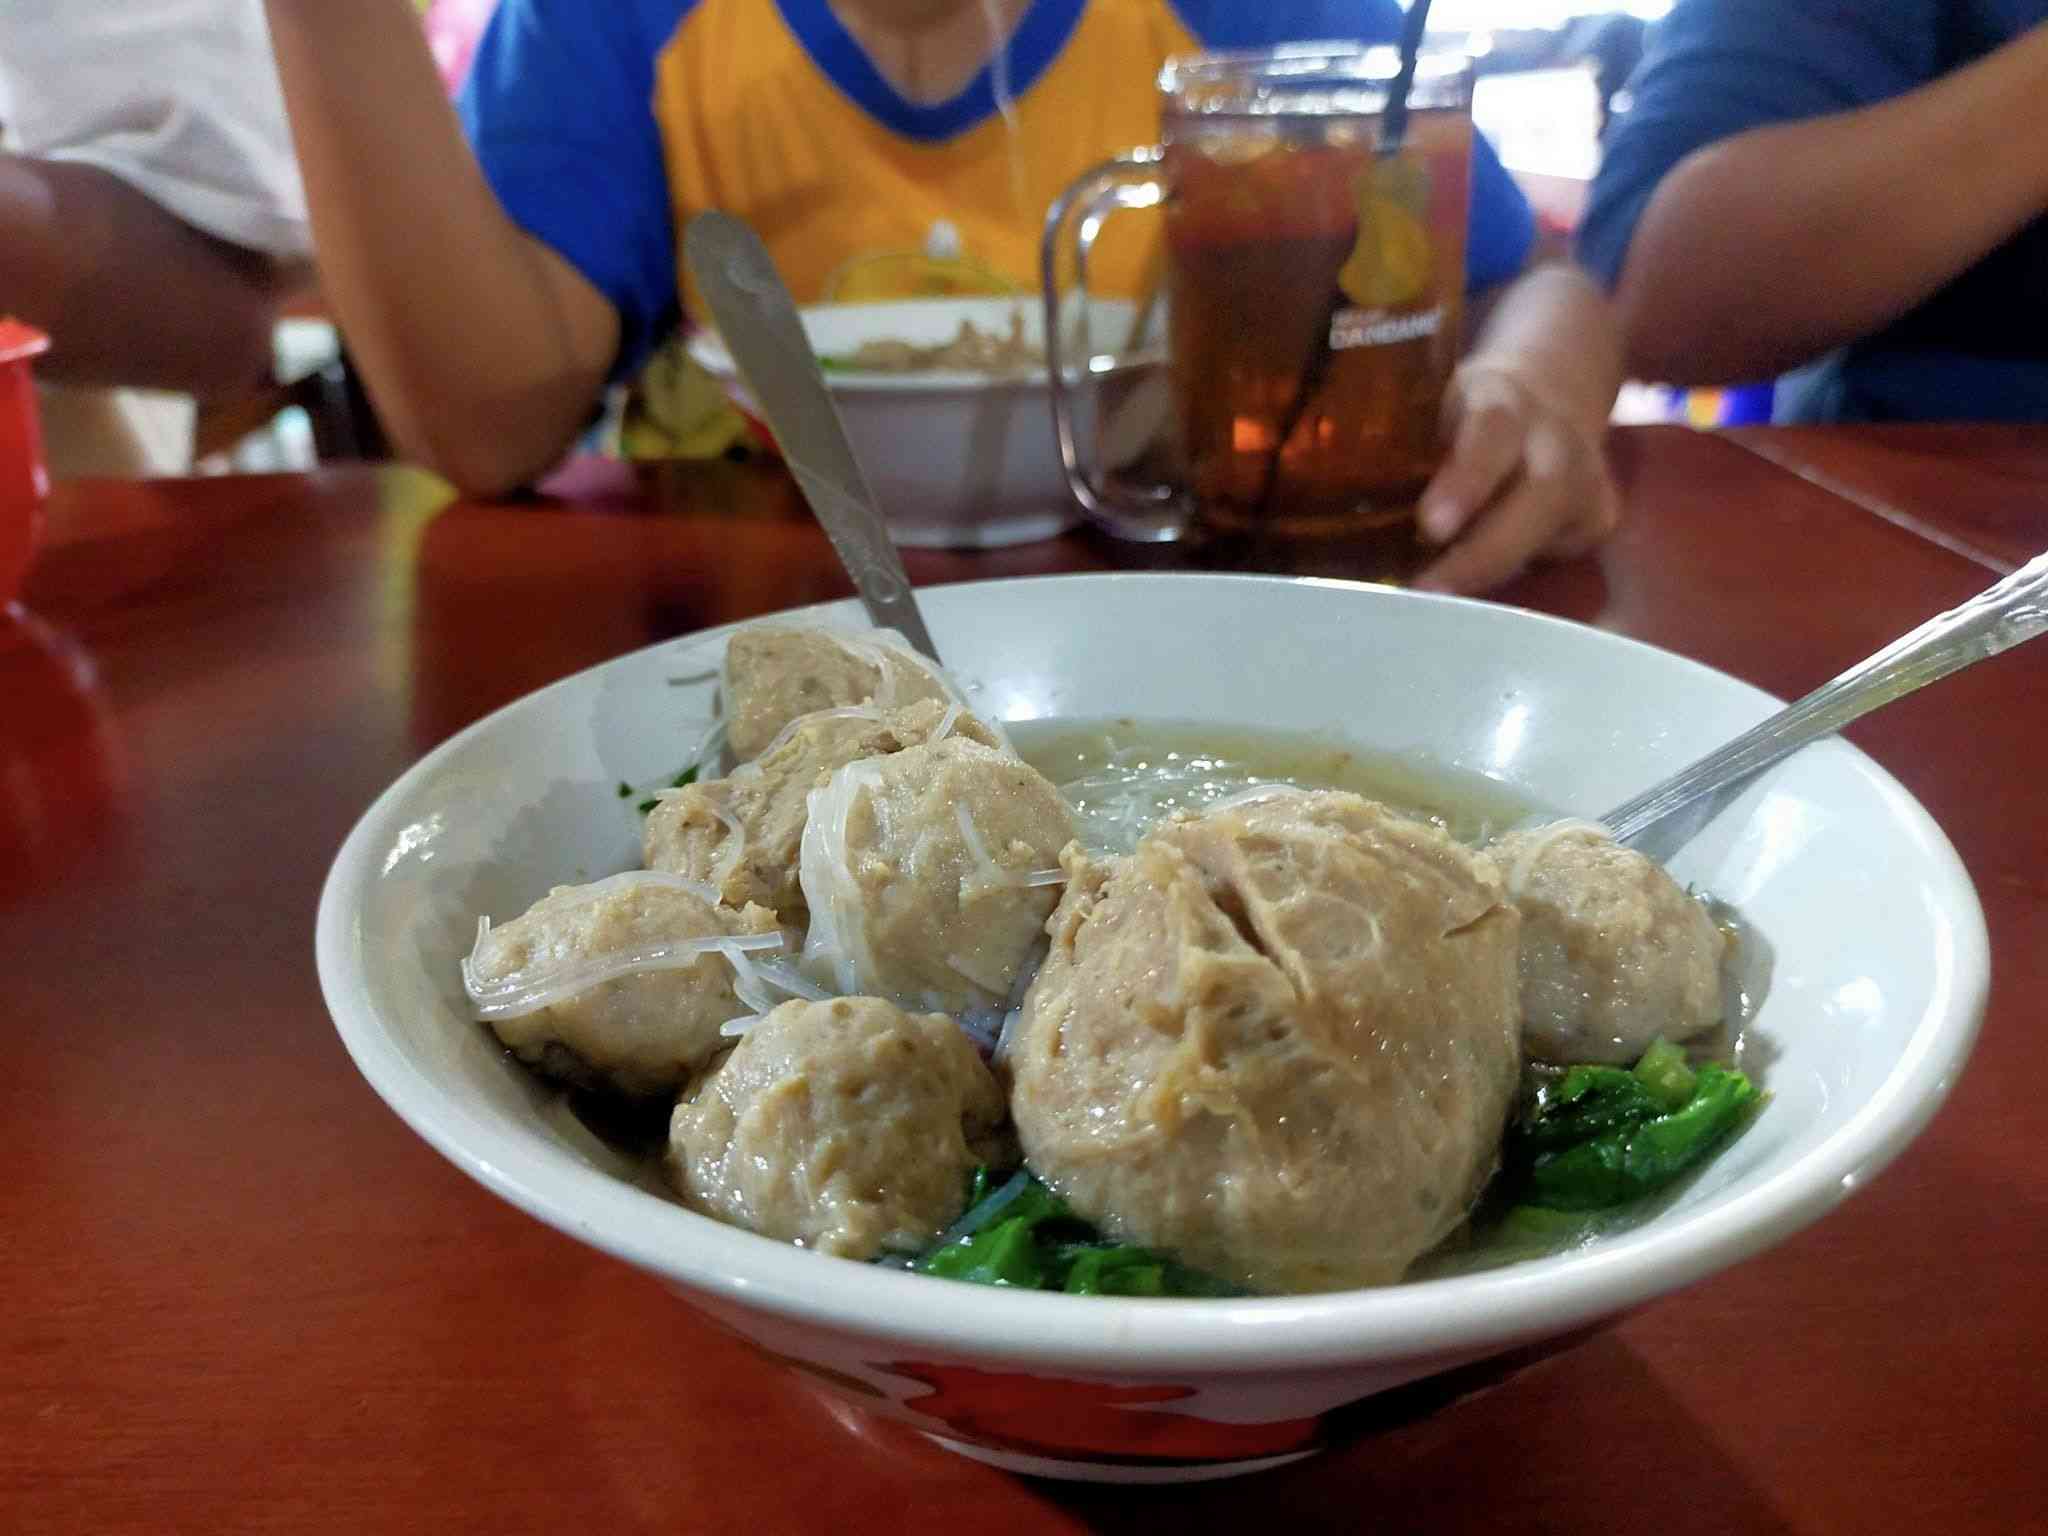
(240, 1295)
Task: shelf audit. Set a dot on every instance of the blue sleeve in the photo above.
(1501, 229)
(1265, 23)
(1716, 68)
(559, 106)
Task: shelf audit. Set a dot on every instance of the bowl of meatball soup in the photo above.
(1201, 1019)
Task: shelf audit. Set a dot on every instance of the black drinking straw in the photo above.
(1394, 116)
(1393, 129)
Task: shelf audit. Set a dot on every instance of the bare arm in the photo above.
(483, 349)
(1760, 252)
(130, 294)
(1526, 412)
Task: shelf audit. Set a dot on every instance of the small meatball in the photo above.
(847, 1126)
(775, 672)
(1279, 1039)
(578, 986)
(1614, 954)
(929, 875)
(741, 834)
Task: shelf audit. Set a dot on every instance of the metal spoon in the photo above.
(759, 323)
(1663, 819)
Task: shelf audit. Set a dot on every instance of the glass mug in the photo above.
(1314, 289)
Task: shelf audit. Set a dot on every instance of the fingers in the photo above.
(1491, 551)
(1561, 504)
(1490, 425)
(1598, 517)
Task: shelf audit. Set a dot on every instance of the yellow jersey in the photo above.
(603, 125)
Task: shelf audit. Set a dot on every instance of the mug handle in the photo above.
(1154, 514)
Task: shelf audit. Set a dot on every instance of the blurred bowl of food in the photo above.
(947, 407)
(1283, 1175)
(24, 477)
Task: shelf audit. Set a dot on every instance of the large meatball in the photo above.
(1279, 1039)
(929, 874)
(609, 985)
(775, 672)
(1614, 954)
(848, 1126)
(742, 833)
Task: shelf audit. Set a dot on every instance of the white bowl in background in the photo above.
(1879, 982)
(956, 459)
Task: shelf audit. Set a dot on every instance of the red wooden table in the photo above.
(240, 1295)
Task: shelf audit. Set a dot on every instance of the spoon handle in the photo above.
(2001, 616)
(760, 325)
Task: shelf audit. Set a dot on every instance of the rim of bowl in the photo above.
(709, 352)
(1412, 1321)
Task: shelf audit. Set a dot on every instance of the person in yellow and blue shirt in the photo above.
(773, 110)
(493, 274)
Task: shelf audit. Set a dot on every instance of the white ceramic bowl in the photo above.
(957, 460)
(1880, 975)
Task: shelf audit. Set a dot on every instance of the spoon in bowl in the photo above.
(760, 325)
(1662, 819)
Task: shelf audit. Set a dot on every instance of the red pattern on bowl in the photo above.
(24, 477)
(1088, 1420)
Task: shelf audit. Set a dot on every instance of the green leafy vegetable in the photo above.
(1022, 1234)
(1124, 1269)
(687, 776)
(1580, 1104)
(1665, 1072)
(979, 1188)
(1599, 1137)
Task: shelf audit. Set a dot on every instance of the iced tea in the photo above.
(1315, 278)
(1316, 296)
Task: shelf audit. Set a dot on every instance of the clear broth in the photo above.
(1121, 774)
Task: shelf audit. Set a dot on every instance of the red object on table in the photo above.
(24, 477)
(243, 1296)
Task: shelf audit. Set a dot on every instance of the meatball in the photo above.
(848, 1126)
(1279, 1039)
(775, 672)
(609, 985)
(1614, 954)
(929, 874)
(741, 834)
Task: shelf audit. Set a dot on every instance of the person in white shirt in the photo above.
(151, 217)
